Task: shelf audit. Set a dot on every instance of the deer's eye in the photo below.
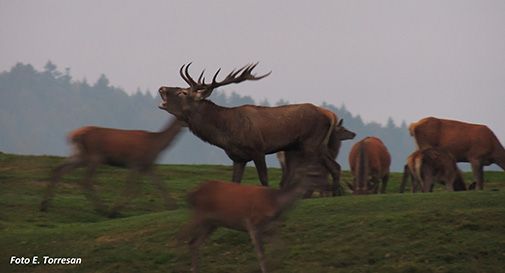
(182, 94)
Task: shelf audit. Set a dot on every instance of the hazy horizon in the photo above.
(404, 59)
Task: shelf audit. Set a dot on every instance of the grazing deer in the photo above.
(248, 208)
(316, 174)
(467, 142)
(133, 149)
(432, 164)
(370, 161)
(249, 132)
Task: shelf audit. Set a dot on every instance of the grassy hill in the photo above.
(437, 232)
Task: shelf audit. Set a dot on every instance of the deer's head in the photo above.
(178, 101)
(343, 133)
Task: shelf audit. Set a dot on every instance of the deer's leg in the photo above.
(334, 168)
(238, 171)
(258, 245)
(200, 233)
(448, 179)
(415, 183)
(283, 161)
(478, 174)
(89, 190)
(325, 188)
(427, 182)
(376, 184)
(59, 171)
(261, 168)
(405, 177)
(458, 183)
(289, 170)
(131, 189)
(384, 184)
(169, 201)
(501, 162)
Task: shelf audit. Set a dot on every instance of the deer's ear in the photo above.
(200, 95)
(340, 122)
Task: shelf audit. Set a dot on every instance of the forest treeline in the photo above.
(39, 108)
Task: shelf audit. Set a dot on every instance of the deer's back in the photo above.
(377, 156)
(288, 125)
(463, 140)
(230, 204)
(113, 146)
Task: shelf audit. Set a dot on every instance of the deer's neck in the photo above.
(499, 154)
(500, 159)
(166, 136)
(287, 197)
(212, 123)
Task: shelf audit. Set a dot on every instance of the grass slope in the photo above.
(437, 232)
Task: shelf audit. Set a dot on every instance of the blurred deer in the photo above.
(132, 149)
(248, 208)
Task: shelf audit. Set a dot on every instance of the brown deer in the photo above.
(133, 149)
(248, 208)
(428, 165)
(316, 174)
(467, 142)
(249, 132)
(370, 161)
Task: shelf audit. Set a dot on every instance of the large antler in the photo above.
(205, 89)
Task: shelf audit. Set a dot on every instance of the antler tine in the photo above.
(235, 76)
(215, 76)
(254, 77)
(190, 80)
(200, 77)
(261, 77)
(182, 74)
(246, 74)
(253, 66)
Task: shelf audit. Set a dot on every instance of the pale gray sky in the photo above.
(405, 59)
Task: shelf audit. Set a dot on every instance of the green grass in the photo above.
(437, 232)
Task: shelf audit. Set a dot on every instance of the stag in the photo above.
(132, 149)
(466, 142)
(246, 133)
(432, 164)
(370, 161)
(316, 174)
(248, 208)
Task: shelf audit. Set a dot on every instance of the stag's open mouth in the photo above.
(163, 104)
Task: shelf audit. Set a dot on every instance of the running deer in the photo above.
(249, 132)
(248, 208)
(428, 165)
(316, 174)
(467, 142)
(132, 149)
(370, 161)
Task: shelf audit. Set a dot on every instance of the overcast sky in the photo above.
(405, 59)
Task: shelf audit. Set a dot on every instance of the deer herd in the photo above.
(306, 138)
